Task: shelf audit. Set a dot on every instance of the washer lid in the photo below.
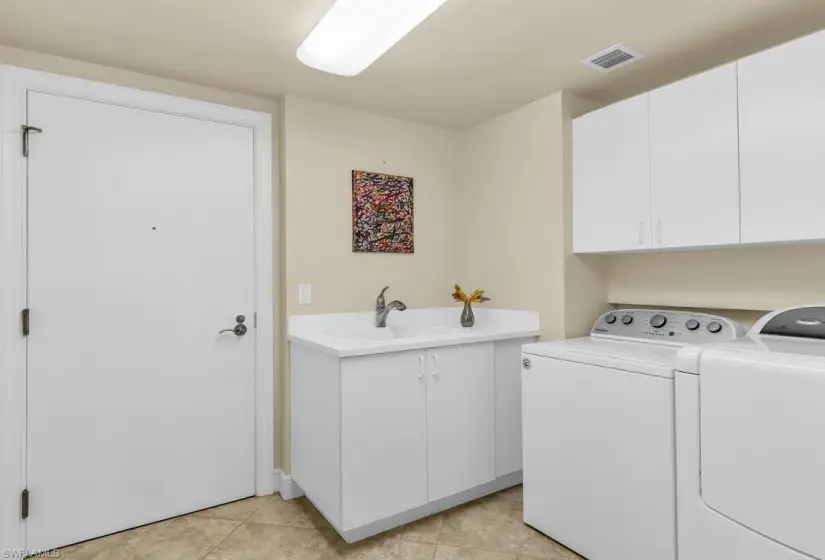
(636, 357)
(806, 321)
(807, 349)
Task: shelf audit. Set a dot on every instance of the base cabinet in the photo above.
(415, 427)
(402, 435)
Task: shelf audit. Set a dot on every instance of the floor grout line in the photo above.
(232, 532)
(223, 540)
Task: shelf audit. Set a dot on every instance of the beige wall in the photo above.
(106, 74)
(512, 211)
(515, 219)
(755, 279)
(322, 145)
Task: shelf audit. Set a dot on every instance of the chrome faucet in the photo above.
(382, 309)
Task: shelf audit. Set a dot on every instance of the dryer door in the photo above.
(763, 444)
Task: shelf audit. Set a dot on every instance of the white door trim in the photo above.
(14, 84)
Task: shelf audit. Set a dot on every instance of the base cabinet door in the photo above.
(383, 436)
(460, 418)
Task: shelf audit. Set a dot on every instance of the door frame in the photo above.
(14, 85)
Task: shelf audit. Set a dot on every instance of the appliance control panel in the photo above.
(668, 326)
(807, 321)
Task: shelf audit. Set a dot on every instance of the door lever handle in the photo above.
(239, 330)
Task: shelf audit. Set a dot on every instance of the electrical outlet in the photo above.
(305, 294)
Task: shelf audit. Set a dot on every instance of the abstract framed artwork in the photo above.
(382, 213)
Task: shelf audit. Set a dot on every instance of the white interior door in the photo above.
(140, 249)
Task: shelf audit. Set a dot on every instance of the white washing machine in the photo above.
(598, 415)
(751, 442)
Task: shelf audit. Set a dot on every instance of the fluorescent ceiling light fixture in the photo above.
(355, 33)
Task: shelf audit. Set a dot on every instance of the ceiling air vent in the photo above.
(610, 59)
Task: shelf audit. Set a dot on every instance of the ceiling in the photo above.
(471, 60)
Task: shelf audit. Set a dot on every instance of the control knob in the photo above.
(714, 326)
(692, 324)
(610, 318)
(627, 319)
(658, 321)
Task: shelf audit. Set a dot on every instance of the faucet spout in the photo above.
(383, 309)
(379, 301)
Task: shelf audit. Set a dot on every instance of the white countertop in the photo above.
(355, 334)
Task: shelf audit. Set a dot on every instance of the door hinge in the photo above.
(25, 321)
(24, 504)
(25, 130)
(255, 319)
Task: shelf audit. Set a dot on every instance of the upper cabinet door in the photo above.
(694, 161)
(460, 418)
(611, 178)
(782, 142)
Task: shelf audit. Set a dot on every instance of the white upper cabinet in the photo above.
(611, 178)
(694, 161)
(782, 142)
(734, 155)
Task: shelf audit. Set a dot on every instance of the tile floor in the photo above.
(273, 529)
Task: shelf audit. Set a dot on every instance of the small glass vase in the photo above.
(468, 318)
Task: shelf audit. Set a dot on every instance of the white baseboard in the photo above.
(287, 486)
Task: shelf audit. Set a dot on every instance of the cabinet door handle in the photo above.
(420, 368)
(641, 233)
(435, 365)
(659, 231)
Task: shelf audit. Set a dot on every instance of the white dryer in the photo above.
(751, 442)
(598, 433)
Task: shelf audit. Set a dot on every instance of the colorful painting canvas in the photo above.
(382, 213)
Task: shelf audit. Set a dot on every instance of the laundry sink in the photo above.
(390, 332)
(355, 334)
